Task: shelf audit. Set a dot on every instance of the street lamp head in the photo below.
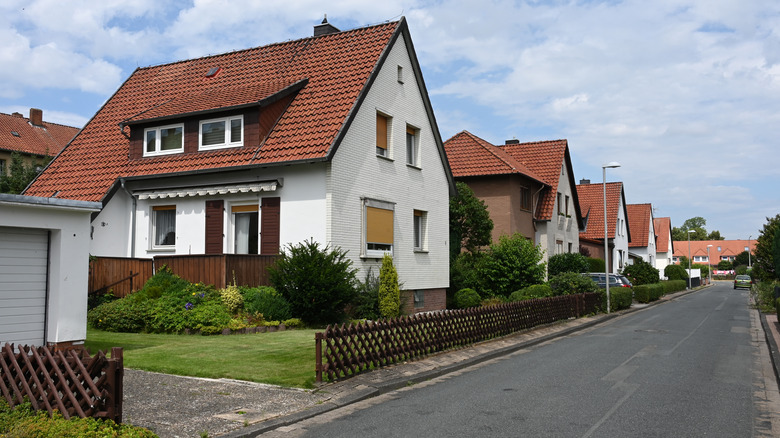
(611, 165)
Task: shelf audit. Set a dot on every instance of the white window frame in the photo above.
(413, 148)
(370, 249)
(158, 143)
(153, 226)
(420, 230)
(228, 132)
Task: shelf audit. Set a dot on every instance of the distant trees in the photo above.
(695, 224)
(19, 175)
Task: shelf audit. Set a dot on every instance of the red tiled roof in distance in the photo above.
(639, 217)
(45, 140)
(663, 229)
(337, 67)
(731, 248)
(470, 155)
(592, 199)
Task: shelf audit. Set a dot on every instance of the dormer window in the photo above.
(221, 133)
(163, 140)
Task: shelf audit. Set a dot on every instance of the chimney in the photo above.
(17, 115)
(584, 181)
(325, 28)
(512, 141)
(36, 117)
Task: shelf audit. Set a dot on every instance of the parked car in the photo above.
(615, 280)
(743, 281)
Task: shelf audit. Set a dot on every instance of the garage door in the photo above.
(23, 262)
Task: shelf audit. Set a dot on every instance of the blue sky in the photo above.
(685, 95)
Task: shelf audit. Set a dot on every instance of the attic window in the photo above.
(400, 74)
(15, 134)
(213, 72)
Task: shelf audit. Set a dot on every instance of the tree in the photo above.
(641, 272)
(715, 235)
(742, 259)
(470, 223)
(512, 263)
(696, 224)
(566, 262)
(389, 292)
(764, 263)
(19, 174)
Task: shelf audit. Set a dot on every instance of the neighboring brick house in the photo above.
(330, 138)
(528, 188)
(619, 234)
(664, 248)
(640, 222)
(33, 138)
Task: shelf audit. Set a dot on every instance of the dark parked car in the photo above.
(615, 280)
(743, 281)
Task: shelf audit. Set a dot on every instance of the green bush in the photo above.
(465, 272)
(567, 262)
(493, 301)
(465, 298)
(127, 315)
(24, 421)
(533, 291)
(512, 263)
(641, 272)
(675, 272)
(644, 293)
(671, 286)
(568, 283)
(366, 303)
(619, 298)
(765, 295)
(98, 299)
(596, 265)
(389, 292)
(266, 301)
(318, 282)
(293, 323)
(232, 298)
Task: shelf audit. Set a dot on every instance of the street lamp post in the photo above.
(709, 266)
(749, 238)
(689, 258)
(610, 165)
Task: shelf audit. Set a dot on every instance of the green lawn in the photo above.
(280, 358)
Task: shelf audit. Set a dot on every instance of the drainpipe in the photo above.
(132, 218)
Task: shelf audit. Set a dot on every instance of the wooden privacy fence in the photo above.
(71, 382)
(126, 275)
(347, 350)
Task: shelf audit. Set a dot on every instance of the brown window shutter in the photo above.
(214, 226)
(269, 225)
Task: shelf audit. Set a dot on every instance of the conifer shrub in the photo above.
(389, 292)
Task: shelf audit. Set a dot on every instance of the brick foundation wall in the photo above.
(434, 299)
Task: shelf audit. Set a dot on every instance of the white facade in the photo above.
(561, 234)
(647, 252)
(619, 252)
(67, 225)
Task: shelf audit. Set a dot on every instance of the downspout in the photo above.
(132, 218)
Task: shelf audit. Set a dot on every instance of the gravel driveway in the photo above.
(176, 406)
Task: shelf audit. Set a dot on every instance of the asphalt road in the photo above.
(688, 368)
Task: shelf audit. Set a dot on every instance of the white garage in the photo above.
(44, 263)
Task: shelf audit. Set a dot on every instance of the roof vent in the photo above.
(513, 141)
(17, 114)
(325, 28)
(15, 134)
(213, 72)
(584, 181)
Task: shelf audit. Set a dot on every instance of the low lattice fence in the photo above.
(350, 349)
(71, 382)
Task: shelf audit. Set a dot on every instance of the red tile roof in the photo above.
(337, 66)
(663, 229)
(731, 248)
(639, 217)
(47, 139)
(592, 205)
(470, 155)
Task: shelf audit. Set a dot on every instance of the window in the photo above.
(382, 134)
(559, 246)
(400, 74)
(245, 229)
(560, 203)
(567, 205)
(699, 258)
(419, 299)
(164, 226)
(378, 227)
(164, 140)
(718, 249)
(412, 146)
(220, 133)
(525, 198)
(2, 167)
(420, 220)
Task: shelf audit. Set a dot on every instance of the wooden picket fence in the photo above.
(346, 350)
(71, 381)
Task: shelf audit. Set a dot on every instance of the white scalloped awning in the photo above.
(268, 186)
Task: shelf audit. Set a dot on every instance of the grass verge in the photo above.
(280, 358)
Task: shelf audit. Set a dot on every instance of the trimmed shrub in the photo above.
(568, 283)
(641, 272)
(319, 282)
(595, 265)
(266, 301)
(465, 298)
(644, 293)
(619, 298)
(567, 262)
(389, 293)
(533, 291)
(673, 285)
(675, 272)
(128, 315)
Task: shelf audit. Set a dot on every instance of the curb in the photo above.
(774, 354)
(367, 392)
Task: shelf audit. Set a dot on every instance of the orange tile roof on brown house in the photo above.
(250, 150)
(592, 205)
(33, 138)
(642, 243)
(521, 183)
(664, 246)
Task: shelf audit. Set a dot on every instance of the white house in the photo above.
(642, 244)
(664, 245)
(44, 264)
(330, 138)
(591, 198)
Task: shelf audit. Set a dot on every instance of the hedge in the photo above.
(674, 285)
(648, 292)
(619, 298)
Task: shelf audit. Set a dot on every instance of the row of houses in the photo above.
(330, 138)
